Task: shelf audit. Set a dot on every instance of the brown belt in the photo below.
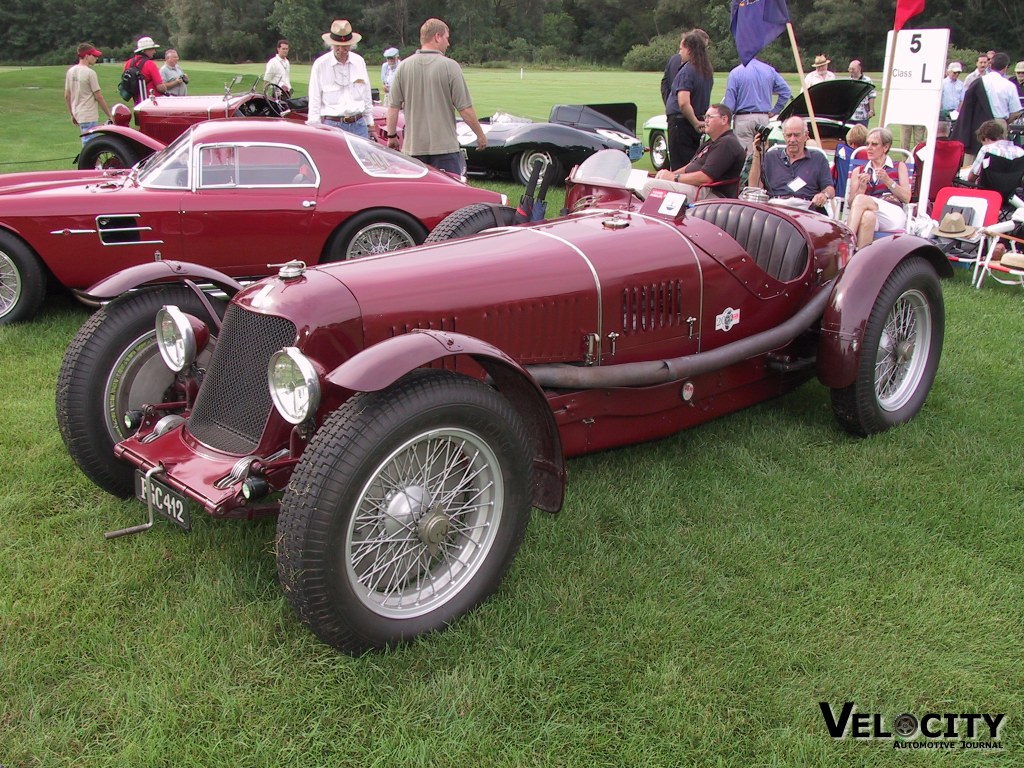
(349, 120)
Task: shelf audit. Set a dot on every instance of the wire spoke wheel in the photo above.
(903, 350)
(424, 523)
(10, 284)
(380, 237)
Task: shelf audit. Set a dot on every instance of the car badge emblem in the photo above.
(727, 319)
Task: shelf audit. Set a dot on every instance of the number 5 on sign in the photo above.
(913, 81)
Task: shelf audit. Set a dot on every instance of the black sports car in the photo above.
(572, 134)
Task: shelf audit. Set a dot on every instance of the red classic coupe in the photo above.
(233, 195)
(401, 414)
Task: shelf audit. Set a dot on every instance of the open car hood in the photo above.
(833, 100)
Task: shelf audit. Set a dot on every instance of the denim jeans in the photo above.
(453, 162)
(83, 127)
(358, 128)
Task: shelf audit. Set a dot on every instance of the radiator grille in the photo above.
(233, 404)
(650, 307)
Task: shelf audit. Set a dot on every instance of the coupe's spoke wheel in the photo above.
(424, 523)
(900, 352)
(523, 168)
(903, 350)
(380, 237)
(10, 284)
(22, 280)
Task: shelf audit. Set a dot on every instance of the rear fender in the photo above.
(853, 297)
(385, 363)
(130, 134)
(158, 272)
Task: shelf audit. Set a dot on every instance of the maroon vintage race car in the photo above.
(232, 195)
(159, 120)
(401, 414)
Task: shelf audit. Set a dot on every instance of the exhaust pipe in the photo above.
(648, 373)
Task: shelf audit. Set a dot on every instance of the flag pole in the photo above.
(800, 72)
(887, 82)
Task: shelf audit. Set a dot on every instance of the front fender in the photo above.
(385, 363)
(131, 134)
(158, 272)
(853, 297)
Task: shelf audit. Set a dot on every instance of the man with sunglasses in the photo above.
(718, 160)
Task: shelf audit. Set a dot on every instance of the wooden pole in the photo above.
(886, 81)
(800, 72)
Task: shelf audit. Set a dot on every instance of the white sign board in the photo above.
(913, 86)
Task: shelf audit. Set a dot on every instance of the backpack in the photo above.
(130, 84)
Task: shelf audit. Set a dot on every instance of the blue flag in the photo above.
(755, 23)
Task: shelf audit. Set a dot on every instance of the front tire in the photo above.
(405, 511)
(104, 152)
(900, 352)
(22, 281)
(522, 166)
(659, 150)
(112, 366)
(373, 232)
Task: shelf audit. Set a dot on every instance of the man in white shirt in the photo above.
(339, 84)
(279, 69)
(821, 71)
(981, 67)
(952, 90)
(1002, 94)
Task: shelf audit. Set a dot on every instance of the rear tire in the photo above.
(471, 220)
(104, 152)
(22, 280)
(900, 352)
(112, 366)
(372, 232)
(522, 166)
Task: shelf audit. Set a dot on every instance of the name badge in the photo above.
(797, 184)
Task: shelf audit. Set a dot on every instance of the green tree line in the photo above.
(637, 34)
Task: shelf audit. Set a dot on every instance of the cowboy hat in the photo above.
(391, 53)
(954, 226)
(341, 34)
(144, 44)
(821, 60)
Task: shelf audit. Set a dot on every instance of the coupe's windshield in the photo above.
(381, 161)
(168, 167)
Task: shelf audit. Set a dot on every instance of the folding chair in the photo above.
(1008, 274)
(980, 208)
(1005, 177)
(949, 156)
(898, 154)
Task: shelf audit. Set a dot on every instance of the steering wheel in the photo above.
(275, 94)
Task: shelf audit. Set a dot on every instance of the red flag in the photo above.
(905, 10)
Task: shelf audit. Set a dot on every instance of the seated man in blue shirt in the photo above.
(795, 172)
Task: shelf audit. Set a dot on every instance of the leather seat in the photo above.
(777, 245)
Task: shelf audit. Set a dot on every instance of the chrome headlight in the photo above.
(175, 338)
(294, 385)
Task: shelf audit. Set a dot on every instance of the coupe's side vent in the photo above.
(650, 307)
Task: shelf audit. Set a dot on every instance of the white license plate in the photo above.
(166, 502)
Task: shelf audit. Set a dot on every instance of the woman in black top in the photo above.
(690, 98)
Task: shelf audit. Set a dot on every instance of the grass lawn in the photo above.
(692, 604)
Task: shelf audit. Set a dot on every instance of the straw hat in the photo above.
(954, 226)
(341, 34)
(821, 61)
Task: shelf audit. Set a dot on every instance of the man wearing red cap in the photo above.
(82, 91)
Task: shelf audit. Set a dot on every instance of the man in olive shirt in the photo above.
(430, 87)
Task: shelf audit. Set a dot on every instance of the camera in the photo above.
(184, 79)
(762, 131)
